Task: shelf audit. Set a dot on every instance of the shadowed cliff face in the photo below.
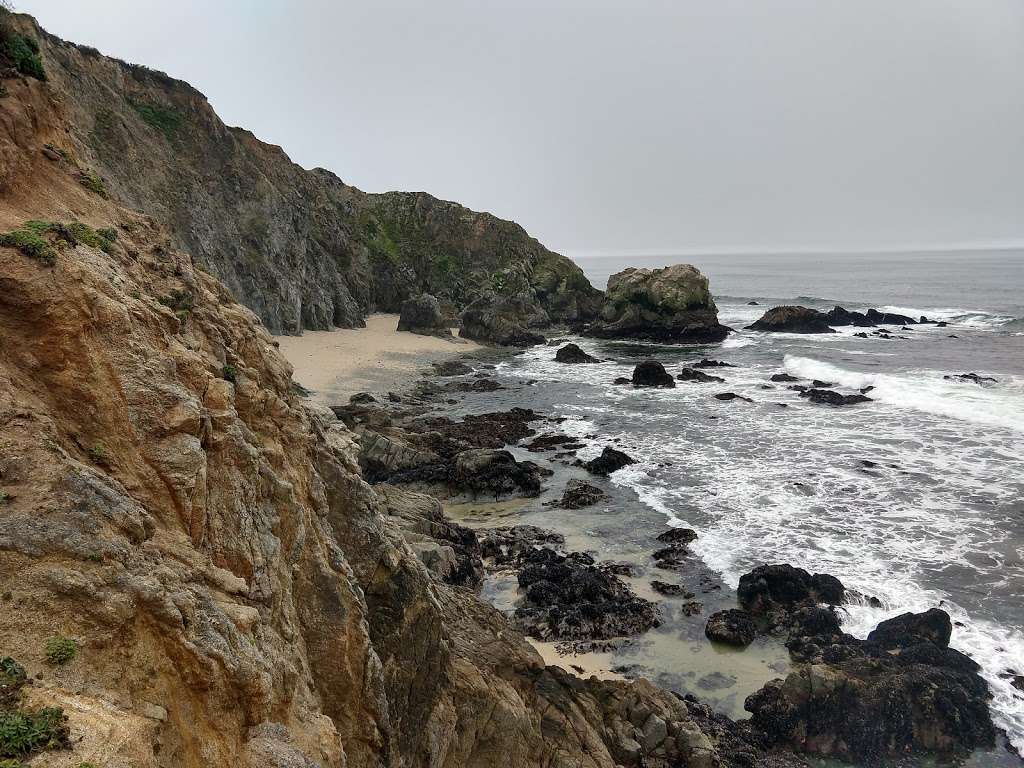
(301, 248)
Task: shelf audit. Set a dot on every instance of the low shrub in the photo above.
(60, 650)
(23, 732)
(164, 118)
(229, 373)
(30, 243)
(92, 181)
(22, 52)
(98, 455)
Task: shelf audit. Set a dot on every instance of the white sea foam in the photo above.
(925, 391)
(975, 318)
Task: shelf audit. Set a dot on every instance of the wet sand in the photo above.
(334, 365)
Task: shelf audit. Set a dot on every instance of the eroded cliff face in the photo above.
(238, 595)
(301, 248)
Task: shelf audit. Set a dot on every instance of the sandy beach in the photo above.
(335, 365)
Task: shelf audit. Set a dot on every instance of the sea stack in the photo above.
(672, 304)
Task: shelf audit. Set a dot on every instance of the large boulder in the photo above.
(672, 304)
(504, 320)
(791, 319)
(422, 314)
(495, 472)
(731, 627)
(862, 700)
(771, 588)
(571, 353)
(610, 460)
(651, 373)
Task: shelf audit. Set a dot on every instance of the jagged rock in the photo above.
(619, 380)
(732, 396)
(911, 628)
(840, 316)
(690, 374)
(579, 494)
(790, 319)
(678, 536)
(422, 314)
(571, 353)
(784, 377)
(651, 373)
(671, 590)
(830, 397)
(504, 320)
(888, 318)
(768, 588)
(495, 473)
(553, 443)
(672, 304)
(732, 627)
(568, 598)
(609, 461)
(507, 545)
(856, 699)
(972, 377)
(706, 363)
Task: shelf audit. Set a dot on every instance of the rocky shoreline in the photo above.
(853, 699)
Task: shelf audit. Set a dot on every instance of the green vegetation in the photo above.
(107, 233)
(92, 181)
(83, 233)
(163, 117)
(229, 373)
(23, 732)
(31, 244)
(5, 497)
(180, 301)
(98, 455)
(12, 677)
(22, 52)
(53, 148)
(7, 763)
(60, 649)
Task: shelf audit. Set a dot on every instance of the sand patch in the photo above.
(334, 365)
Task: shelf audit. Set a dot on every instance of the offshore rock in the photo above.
(651, 373)
(790, 319)
(571, 353)
(609, 461)
(672, 304)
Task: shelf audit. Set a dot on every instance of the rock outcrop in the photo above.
(508, 321)
(423, 315)
(572, 354)
(651, 373)
(673, 304)
(791, 319)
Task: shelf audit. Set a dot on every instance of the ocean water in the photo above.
(916, 499)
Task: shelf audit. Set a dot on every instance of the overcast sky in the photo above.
(631, 127)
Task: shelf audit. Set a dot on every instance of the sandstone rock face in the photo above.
(300, 247)
(793, 320)
(672, 304)
(422, 314)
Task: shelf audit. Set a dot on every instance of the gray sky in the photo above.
(625, 127)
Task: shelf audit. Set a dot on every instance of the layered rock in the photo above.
(509, 321)
(672, 304)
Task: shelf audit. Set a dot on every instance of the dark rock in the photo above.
(579, 494)
(731, 396)
(706, 363)
(888, 318)
(672, 557)
(790, 319)
(361, 398)
(422, 314)
(569, 598)
(732, 627)
(483, 384)
(504, 320)
(770, 588)
(784, 377)
(861, 335)
(678, 536)
(609, 461)
(690, 374)
(830, 397)
(752, 304)
(553, 442)
(619, 380)
(670, 590)
(972, 377)
(651, 373)
(507, 545)
(451, 368)
(814, 621)
(494, 473)
(819, 384)
(672, 304)
(911, 628)
(571, 353)
(840, 316)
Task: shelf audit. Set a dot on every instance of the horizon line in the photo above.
(798, 251)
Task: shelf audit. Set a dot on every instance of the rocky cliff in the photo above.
(299, 247)
(193, 570)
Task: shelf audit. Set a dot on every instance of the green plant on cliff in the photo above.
(163, 117)
(22, 52)
(92, 181)
(23, 732)
(60, 649)
(31, 244)
(7, 763)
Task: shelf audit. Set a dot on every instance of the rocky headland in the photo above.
(203, 567)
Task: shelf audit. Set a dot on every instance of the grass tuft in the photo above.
(60, 650)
